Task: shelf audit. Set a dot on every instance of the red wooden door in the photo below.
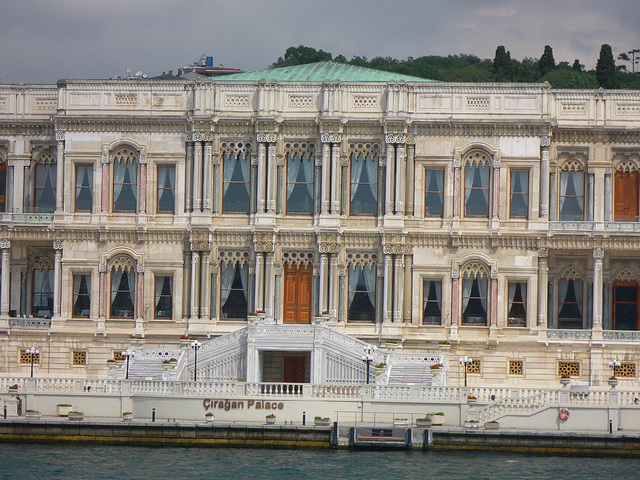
(626, 197)
(297, 294)
(294, 369)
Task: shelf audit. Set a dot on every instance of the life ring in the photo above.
(563, 414)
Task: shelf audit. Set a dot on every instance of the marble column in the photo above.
(598, 255)
(5, 245)
(334, 286)
(398, 288)
(544, 177)
(195, 284)
(388, 191)
(410, 185)
(57, 278)
(140, 314)
(262, 176)
(102, 293)
(197, 175)
(607, 194)
(325, 192)
(259, 285)
(206, 178)
(186, 285)
(104, 201)
(272, 169)
(335, 176)
(455, 298)
(269, 284)
(496, 191)
(543, 287)
(324, 283)
(493, 313)
(408, 287)
(143, 186)
(387, 300)
(205, 285)
(189, 174)
(60, 172)
(457, 167)
(400, 183)
(10, 201)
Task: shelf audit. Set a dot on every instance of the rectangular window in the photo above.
(432, 302)
(300, 173)
(570, 303)
(625, 196)
(571, 369)
(42, 305)
(516, 367)
(44, 194)
(362, 293)
(123, 293)
(474, 300)
(236, 168)
(517, 316)
(81, 295)
(476, 190)
(519, 201)
(29, 357)
(571, 204)
(233, 291)
(434, 193)
(84, 188)
(166, 189)
(125, 186)
(164, 296)
(364, 184)
(79, 358)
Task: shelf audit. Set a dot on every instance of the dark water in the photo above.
(26, 462)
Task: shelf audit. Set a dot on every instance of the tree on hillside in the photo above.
(606, 68)
(632, 60)
(547, 62)
(300, 55)
(502, 65)
(577, 66)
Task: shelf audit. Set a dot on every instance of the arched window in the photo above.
(125, 180)
(300, 176)
(233, 290)
(236, 168)
(42, 287)
(477, 183)
(123, 287)
(475, 280)
(570, 305)
(364, 179)
(362, 287)
(44, 186)
(571, 199)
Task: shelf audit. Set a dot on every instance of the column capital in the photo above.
(598, 253)
(60, 136)
(5, 243)
(266, 137)
(331, 138)
(543, 253)
(57, 244)
(545, 142)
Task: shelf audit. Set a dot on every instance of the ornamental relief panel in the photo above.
(233, 257)
(626, 274)
(297, 258)
(362, 258)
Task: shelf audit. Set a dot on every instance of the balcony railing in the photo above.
(30, 322)
(32, 217)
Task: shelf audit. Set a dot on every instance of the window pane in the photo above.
(474, 300)
(42, 293)
(166, 189)
(432, 313)
(236, 168)
(362, 294)
(233, 292)
(84, 188)
(570, 303)
(519, 194)
(517, 304)
(476, 190)
(364, 184)
(571, 203)
(45, 188)
(81, 296)
(164, 296)
(122, 293)
(300, 173)
(125, 186)
(434, 193)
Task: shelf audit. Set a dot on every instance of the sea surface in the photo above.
(70, 462)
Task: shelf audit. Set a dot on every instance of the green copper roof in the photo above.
(320, 72)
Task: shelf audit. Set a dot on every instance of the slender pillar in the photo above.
(262, 177)
(598, 255)
(410, 185)
(197, 176)
(408, 288)
(189, 173)
(269, 284)
(544, 177)
(105, 183)
(325, 192)
(335, 176)
(206, 178)
(195, 286)
(455, 298)
(607, 194)
(60, 172)
(11, 190)
(398, 288)
(334, 286)
(457, 167)
(5, 244)
(496, 190)
(57, 278)
(386, 290)
(493, 314)
(143, 185)
(400, 180)
(259, 289)
(324, 283)
(102, 293)
(388, 197)
(186, 285)
(205, 285)
(543, 287)
(140, 296)
(272, 169)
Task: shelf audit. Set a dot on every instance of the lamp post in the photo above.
(367, 358)
(128, 353)
(196, 346)
(613, 364)
(32, 352)
(465, 361)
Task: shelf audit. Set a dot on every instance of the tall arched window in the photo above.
(123, 287)
(364, 179)
(236, 169)
(42, 287)
(571, 199)
(233, 291)
(300, 176)
(570, 307)
(362, 287)
(475, 283)
(125, 180)
(40, 185)
(3, 184)
(477, 181)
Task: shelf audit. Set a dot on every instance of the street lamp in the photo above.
(465, 361)
(196, 346)
(613, 364)
(128, 353)
(367, 358)
(32, 352)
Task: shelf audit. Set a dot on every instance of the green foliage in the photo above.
(301, 55)
(606, 68)
(577, 66)
(503, 67)
(547, 63)
(569, 78)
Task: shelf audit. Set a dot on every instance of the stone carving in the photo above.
(543, 253)
(331, 138)
(57, 244)
(266, 138)
(328, 247)
(598, 253)
(545, 141)
(263, 247)
(60, 136)
(5, 243)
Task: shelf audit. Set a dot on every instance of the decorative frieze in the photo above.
(331, 138)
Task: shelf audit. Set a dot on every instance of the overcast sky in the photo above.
(44, 40)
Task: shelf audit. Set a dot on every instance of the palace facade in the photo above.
(496, 221)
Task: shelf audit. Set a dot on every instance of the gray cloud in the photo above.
(41, 41)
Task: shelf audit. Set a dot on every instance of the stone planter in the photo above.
(613, 382)
(35, 415)
(13, 391)
(492, 426)
(472, 401)
(136, 340)
(322, 422)
(168, 366)
(565, 381)
(437, 419)
(270, 420)
(400, 422)
(127, 417)
(63, 410)
(423, 422)
(252, 319)
(320, 319)
(471, 425)
(76, 416)
(209, 418)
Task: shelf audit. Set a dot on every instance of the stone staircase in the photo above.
(410, 373)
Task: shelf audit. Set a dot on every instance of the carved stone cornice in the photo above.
(515, 129)
(31, 129)
(122, 124)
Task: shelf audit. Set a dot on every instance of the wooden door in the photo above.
(297, 294)
(625, 305)
(294, 369)
(626, 197)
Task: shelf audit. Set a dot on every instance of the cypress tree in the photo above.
(547, 62)
(606, 68)
(502, 65)
(577, 67)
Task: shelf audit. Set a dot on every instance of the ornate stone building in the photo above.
(500, 218)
